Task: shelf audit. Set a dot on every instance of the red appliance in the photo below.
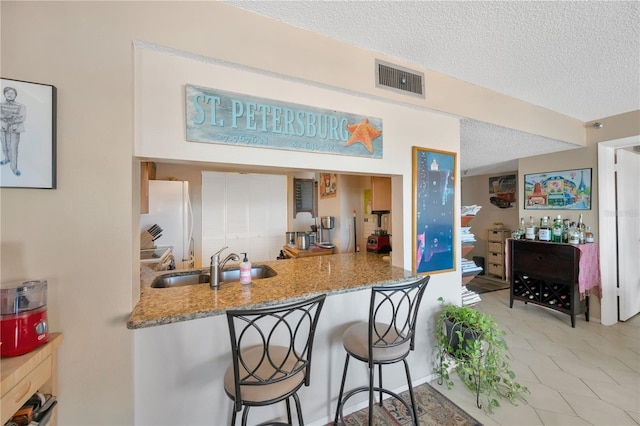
(23, 323)
(379, 243)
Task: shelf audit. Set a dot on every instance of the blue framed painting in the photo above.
(559, 190)
(434, 186)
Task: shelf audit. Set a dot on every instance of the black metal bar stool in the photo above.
(386, 338)
(271, 349)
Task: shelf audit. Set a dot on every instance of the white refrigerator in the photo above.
(170, 209)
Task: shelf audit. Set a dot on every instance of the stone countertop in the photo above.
(296, 279)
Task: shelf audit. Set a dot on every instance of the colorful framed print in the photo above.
(560, 190)
(434, 240)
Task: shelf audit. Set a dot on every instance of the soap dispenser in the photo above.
(245, 270)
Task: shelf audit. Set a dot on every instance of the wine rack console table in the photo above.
(547, 274)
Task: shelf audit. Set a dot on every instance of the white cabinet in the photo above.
(246, 212)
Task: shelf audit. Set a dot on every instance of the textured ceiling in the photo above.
(581, 59)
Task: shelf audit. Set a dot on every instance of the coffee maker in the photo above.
(379, 241)
(326, 223)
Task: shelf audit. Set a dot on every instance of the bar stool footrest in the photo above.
(375, 389)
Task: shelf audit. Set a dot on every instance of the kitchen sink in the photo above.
(182, 278)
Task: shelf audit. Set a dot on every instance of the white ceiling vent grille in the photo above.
(399, 79)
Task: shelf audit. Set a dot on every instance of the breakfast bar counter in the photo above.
(295, 279)
(180, 365)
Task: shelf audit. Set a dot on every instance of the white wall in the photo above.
(160, 125)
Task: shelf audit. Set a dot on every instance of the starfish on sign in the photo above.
(363, 133)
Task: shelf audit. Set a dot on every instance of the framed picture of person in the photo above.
(434, 240)
(27, 134)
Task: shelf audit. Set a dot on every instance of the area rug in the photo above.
(483, 285)
(434, 409)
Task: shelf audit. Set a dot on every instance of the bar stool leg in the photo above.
(344, 377)
(245, 415)
(288, 411)
(413, 399)
(380, 382)
(371, 383)
(298, 409)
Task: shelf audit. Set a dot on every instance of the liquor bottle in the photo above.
(574, 238)
(530, 230)
(565, 231)
(522, 230)
(581, 229)
(544, 233)
(588, 235)
(557, 230)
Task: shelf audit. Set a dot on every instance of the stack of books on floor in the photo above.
(469, 297)
(469, 269)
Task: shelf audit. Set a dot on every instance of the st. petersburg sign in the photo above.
(214, 116)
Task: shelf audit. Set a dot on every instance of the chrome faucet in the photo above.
(217, 265)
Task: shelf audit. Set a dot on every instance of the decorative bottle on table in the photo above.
(245, 270)
(588, 235)
(544, 233)
(530, 230)
(581, 230)
(557, 230)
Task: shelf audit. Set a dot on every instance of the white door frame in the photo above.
(607, 226)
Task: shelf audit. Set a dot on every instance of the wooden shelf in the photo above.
(23, 375)
(495, 252)
(466, 249)
(466, 219)
(465, 280)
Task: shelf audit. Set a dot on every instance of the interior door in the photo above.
(628, 208)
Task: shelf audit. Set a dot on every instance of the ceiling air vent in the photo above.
(399, 79)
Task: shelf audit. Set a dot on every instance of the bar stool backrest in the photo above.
(273, 344)
(393, 314)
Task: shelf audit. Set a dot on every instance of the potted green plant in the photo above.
(470, 342)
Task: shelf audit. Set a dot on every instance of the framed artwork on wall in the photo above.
(433, 210)
(559, 190)
(27, 134)
(502, 190)
(328, 185)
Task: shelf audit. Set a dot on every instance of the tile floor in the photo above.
(588, 375)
